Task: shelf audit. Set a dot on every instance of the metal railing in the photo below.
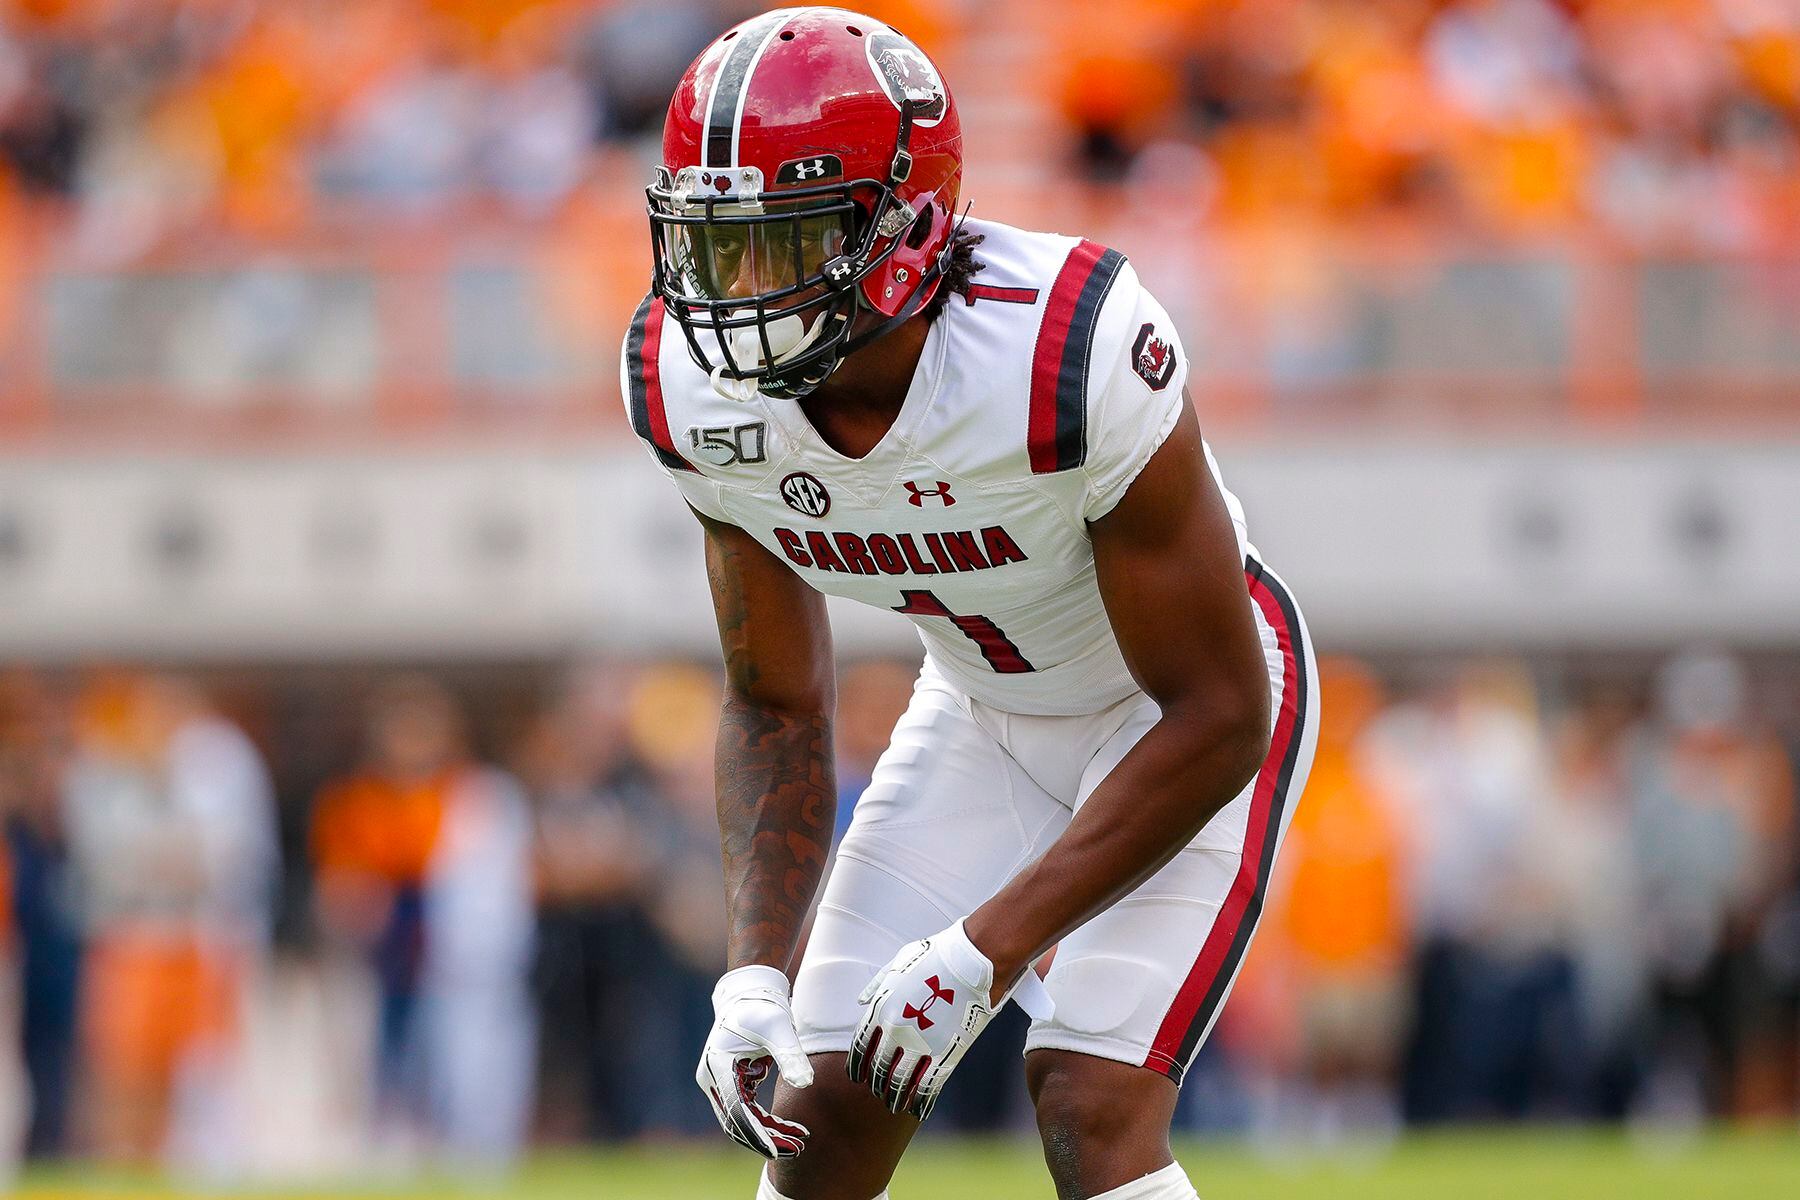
(363, 329)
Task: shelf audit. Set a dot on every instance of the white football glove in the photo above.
(753, 1025)
(922, 1011)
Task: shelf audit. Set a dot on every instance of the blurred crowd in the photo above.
(1657, 121)
(432, 209)
(430, 918)
(1654, 119)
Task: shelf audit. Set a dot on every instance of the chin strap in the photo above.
(732, 388)
(920, 293)
(783, 390)
(906, 313)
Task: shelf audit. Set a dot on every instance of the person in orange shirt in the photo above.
(373, 834)
(1339, 935)
(171, 819)
(422, 867)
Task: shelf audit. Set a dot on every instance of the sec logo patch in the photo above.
(805, 494)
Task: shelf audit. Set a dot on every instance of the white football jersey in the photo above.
(1038, 399)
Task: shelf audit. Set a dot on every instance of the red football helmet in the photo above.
(806, 198)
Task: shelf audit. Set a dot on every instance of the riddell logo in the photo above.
(947, 995)
(918, 494)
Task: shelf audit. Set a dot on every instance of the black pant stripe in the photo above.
(1215, 996)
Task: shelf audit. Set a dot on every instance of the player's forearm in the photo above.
(777, 795)
(1160, 795)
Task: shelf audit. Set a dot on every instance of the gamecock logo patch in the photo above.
(1153, 358)
(905, 73)
(805, 494)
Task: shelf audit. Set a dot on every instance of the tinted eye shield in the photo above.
(828, 289)
(784, 248)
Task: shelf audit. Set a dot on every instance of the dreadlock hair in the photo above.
(959, 272)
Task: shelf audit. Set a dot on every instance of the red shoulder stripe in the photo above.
(643, 354)
(1056, 432)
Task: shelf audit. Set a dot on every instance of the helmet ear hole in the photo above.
(920, 231)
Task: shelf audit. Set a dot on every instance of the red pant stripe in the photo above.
(1207, 980)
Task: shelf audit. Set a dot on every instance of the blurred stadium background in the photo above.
(357, 679)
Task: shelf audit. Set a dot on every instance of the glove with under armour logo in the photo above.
(922, 1011)
(753, 1026)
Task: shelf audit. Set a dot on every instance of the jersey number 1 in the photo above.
(994, 645)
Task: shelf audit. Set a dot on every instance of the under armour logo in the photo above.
(941, 492)
(813, 167)
(840, 270)
(947, 995)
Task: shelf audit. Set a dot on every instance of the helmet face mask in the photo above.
(764, 284)
(774, 285)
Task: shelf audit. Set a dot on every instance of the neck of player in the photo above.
(860, 401)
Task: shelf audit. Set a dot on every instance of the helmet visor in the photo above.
(740, 258)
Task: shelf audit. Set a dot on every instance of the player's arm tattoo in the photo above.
(775, 785)
(774, 773)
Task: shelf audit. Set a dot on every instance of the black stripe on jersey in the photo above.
(1078, 351)
(734, 74)
(641, 370)
(1278, 802)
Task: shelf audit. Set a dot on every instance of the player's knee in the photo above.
(833, 1102)
(854, 1142)
(1075, 1125)
(1091, 1112)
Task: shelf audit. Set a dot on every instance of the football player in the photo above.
(861, 393)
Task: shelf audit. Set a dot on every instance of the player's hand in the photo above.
(753, 1026)
(922, 1011)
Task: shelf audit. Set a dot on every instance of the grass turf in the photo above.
(1501, 1165)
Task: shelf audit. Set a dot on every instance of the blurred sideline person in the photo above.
(1323, 1008)
(35, 748)
(672, 714)
(15, 1102)
(1714, 818)
(1493, 986)
(591, 803)
(423, 867)
(860, 392)
(172, 827)
(1594, 852)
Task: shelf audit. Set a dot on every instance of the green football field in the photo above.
(1471, 1166)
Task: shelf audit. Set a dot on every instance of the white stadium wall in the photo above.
(533, 554)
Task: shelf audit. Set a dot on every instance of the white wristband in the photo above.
(967, 960)
(742, 981)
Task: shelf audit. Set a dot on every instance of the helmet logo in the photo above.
(906, 74)
(810, 170)
(840, 272)
(805, 494)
